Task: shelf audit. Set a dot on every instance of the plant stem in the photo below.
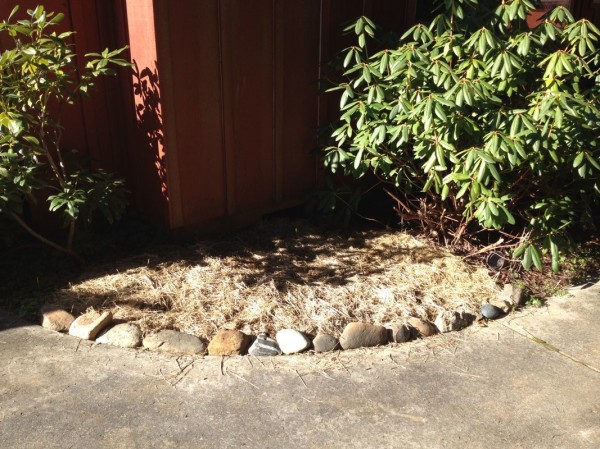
(43, 239)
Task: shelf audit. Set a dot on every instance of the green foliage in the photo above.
(481, 124)
(38, 76)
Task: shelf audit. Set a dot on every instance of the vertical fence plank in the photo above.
(196, 91)
(247, 45)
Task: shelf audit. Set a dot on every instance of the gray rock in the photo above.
(126, 335)
(447, 321)
(491, 312)
(90, 324)
(264, 346)
(399, 333)
(325, 343)
(228, 342)
(291, 341)
(174, 342)
(421, 328)
(56, 319)
(363, 335)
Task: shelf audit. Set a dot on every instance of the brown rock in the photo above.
(228, 342)
(56, 319)
(89, 325)
(422, 328)
(362, 335)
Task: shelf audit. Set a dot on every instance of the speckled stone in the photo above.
(228, 342)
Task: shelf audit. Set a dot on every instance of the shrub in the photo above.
(480, 125)
(38, 76)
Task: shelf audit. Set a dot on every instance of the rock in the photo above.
(264, 346)
(399, 333)
(362, 335)
(491, 312)
(515, 294)
(228, 342)
(56, 319)
(325, 343)
(126, 335)
(291, 341)
(422, 328)
(452, 321)
(90, 324)
(174, 342)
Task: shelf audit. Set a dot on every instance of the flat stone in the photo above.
(90, 324)
(399, 333)
(291, 341)
(264, 346)
(325, 343)
(228, 342)
(363, 335)
(491, 312)
(126, 335)
(56, 319)
(422, 328)
(448, 321)
(174, 342)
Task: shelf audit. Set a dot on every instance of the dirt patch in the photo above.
(282, 274)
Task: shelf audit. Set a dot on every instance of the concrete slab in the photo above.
(484, 387)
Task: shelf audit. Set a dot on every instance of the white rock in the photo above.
(291, 341)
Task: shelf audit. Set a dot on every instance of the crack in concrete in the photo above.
(525, 333)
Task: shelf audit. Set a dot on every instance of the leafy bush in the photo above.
(481, 125)
(38, 75)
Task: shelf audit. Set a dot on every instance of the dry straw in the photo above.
(284, 275)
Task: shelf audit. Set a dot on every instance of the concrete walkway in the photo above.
(499, 386)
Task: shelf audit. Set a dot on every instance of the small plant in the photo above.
(38, 76)
(483, 129)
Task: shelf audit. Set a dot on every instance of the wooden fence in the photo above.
(219, 121)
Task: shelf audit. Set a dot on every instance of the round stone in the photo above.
(174, 342)
(56, 319)
(291, 341)
(325, 343)
(228, 342)
(400, 333)
(363, 335)
(422, 328)
(490, 311)
(126, 335)
(264, 346)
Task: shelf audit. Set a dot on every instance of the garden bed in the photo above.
(282, 274)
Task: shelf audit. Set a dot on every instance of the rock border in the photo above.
(103, 329)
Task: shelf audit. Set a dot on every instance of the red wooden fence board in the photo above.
(197, 100)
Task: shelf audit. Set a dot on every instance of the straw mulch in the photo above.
(283, 274)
